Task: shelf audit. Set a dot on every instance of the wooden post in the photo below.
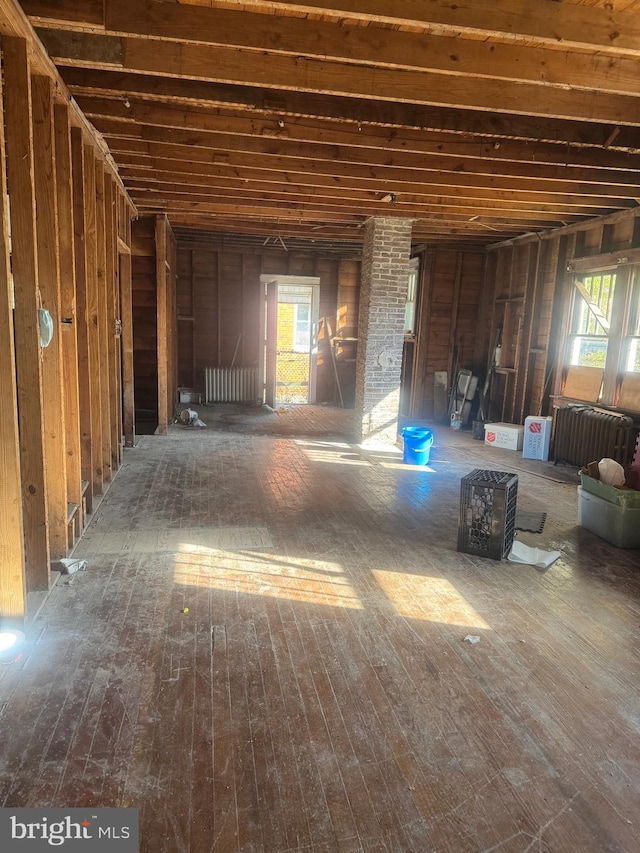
(126, 316)
(103, 314)
(93, 319)
(24, 260)
(12, 575)
(111, 257)
(80, 254)
(68, 324)
(49, 279)
(162, 322)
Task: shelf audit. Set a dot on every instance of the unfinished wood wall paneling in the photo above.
(422, 393)
(102, 317)
(162, 322)
(447, 337)
(93, 320)
(24, 260)
(53, 407)
(472, 311)
(532, 312)
(68, 320)
(172, 309)
(126, 343)
(144, 313)
(229, 306)
(82, 317)
(531, 304)
(185, 318)
(251, 310)
(12, 568)
(113, 340)
(327, 270)
(206, 283)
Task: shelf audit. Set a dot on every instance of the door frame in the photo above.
(268, 328)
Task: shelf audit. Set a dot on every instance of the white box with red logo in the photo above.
(537, 435)
(505, 436)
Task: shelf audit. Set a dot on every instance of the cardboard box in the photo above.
(537, 436)
(505, 436)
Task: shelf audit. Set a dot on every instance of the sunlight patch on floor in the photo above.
(265, 574)
(428, 598)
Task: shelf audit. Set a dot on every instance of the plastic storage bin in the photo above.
(619, 525)
(416, 443)
(629, 498)
(487, 513)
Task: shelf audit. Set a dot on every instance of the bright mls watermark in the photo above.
(86, 830)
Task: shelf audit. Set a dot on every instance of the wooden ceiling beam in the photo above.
(278, 103)
(604, 180)
(288, 170)
(13, 22)
(545, 22)
(125, 136)
(372, 205)
(221, 64)
(323, 40)
(317, 186)
(231, 126)
(149, 201)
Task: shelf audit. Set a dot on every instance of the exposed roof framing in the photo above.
(301, 118)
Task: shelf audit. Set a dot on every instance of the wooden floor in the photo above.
(318, 695)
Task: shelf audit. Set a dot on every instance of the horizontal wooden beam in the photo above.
(556, 25)
(218, 148)
(162, 177)
(280, 103)
(229, 126)
(371, 205)
(222, 64)
(359, 44)
(286, 171)
(13, 22)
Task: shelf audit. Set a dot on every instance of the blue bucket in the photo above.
(417, 443)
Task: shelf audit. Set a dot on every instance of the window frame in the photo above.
(626, 295)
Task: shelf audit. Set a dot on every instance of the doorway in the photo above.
(290, 339)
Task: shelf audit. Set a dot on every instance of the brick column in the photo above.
(383, 292)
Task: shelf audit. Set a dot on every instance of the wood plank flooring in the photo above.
(266, 653)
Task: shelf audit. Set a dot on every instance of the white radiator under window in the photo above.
(231, 384)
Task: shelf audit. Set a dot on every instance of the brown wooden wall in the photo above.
(529, 283)
(451, 317)
(154, 308)
(218, 301)
(61, 424)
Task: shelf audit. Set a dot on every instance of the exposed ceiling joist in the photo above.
(481, 124)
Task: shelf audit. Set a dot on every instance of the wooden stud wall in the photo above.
(153, 267)
(530, 287)
(61, 422)
(12, 574)
(450, 313)
(218, 306)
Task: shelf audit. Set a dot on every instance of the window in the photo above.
(591, 320)
(632, 348)
(302, 327)
(410, 304)
(603, 346)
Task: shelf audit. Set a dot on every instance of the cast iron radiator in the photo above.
(231, 384)
(584, 434)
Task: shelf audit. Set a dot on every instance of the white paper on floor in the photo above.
(521, 553)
